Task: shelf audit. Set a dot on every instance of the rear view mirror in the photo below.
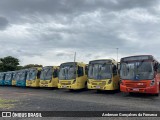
(158, 68)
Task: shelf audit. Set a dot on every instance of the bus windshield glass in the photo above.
(100, 71)
(22, 75)
(67, 72)
(1, 76)
(137, 70)
(8, 76)
(17, 76)
(14, 76)
(46, 73)
(32, 74)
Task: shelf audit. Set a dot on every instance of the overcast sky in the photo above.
(48, 32)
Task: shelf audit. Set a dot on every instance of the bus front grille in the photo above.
(65, 83)
(136, 85)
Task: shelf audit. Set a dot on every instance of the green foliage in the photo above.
(31, 66)
(8, 63)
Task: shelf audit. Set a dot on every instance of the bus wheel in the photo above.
(99, 91)
(72, 90)
(131, 93)
(157, 94)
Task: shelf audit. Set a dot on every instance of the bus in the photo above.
(139, 74)
(21, 78)
(14, 78)
(2, 78)
(33, 77)
(72, 75)
(8, 78)
(49, 77)
(103, 75)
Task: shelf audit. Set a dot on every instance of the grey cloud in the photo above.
(18, 10)
(3, 23)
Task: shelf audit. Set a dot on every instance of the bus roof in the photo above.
(103, 61)
(73, 63)
(138, 58)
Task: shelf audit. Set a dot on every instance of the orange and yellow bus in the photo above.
(103, 75)
(72, 75)
(49, 76)
(139, 74)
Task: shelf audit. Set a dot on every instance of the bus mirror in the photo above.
(114, 69)
(158, 68)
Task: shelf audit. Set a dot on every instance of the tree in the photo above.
(31, 66)
(8, 63)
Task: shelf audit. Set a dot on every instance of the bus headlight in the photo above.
(73, 81)
(152, 82)
(109, 82)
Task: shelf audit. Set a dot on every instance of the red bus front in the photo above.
(139, 76)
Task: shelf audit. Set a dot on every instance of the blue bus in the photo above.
(8, 78)
(2, 78)
(21, 78)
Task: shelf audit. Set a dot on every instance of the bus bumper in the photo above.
(31, 83)
(8, 82)
(72, 86)
(21, 84)
(150, 90)
(43, 84)
(98, 87)
(1, 82)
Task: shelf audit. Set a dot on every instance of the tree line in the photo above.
(10, 63)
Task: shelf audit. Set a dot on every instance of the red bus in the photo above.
(139, 74)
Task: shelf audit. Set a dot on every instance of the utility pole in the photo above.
(117, 53)
(75, 57)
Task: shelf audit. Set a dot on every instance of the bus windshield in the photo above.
(22, 75)
(46, 73)
(32, 74)
(17, 76)
(137, 70)
(100, 71)
(67, 72)
(1, 76)
(14, 76)
(8, 76)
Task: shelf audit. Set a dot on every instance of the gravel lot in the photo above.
(38, 99)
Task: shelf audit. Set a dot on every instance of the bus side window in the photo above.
(38, 74)
(55, 73)
(86, 70)
(80, 71)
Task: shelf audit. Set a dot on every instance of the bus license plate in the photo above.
(135, 89)
(64, 86)
(98, 87)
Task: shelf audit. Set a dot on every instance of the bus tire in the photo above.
(131, 93)
(157, 94)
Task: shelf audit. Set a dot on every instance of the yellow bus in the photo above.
(49, 76)
(33, 77)
(103, 75)
(72, 75)
(14, 78)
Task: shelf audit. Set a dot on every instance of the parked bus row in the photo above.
(133, 74)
